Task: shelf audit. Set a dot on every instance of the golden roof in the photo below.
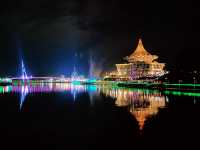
(141, 54)
(140, 50)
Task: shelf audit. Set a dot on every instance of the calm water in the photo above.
(63, 116)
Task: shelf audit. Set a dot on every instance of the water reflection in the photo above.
(141, 103)
(46, 88)
(24, 91)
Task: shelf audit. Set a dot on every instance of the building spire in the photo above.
(140, 42)
(140, 52)
(140, 47)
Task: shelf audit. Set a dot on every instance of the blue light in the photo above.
(91, 80)
(92, 88)
(24, 74)
(24, 92)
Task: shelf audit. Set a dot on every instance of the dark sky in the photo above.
(54, 36)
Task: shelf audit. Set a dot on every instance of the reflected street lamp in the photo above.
(179, 81)
(166, 79)
(194, 81)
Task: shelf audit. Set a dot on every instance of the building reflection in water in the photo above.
(141, 103)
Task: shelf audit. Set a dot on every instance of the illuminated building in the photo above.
(141, 65)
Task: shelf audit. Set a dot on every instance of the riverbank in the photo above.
(129, 84)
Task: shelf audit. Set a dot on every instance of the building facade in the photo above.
(141, 65)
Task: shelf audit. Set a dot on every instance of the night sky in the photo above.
(54, 36)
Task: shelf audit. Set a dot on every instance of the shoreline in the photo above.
(125, 84)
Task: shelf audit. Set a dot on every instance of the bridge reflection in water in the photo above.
(140, 103)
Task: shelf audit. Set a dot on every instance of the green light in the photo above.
(91, 80)
(76, 82)
(178, 93)
(1, 89)
(5, 89)
(189, 84)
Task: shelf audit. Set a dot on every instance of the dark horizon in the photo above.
(53, 37)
